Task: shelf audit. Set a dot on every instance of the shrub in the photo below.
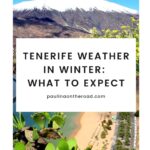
(109, 122)
(124, 32)
(103, 135)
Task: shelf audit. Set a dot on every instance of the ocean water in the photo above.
(70, 124)
(68, 128)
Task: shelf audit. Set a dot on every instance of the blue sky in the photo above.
(134, 4)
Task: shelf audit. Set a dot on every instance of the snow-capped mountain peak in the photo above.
(63, 5)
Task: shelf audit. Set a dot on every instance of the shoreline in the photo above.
(77, 124)
(89, 128)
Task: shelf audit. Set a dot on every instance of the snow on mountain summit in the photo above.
(63, 5)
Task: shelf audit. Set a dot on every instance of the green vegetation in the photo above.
(44, 119)
(18, 121)
(46, 135)
(19, 146)
(89, 147)
(124, 132)
(39, 138)
(63, 144)
(119, 145)
(106, 126)
(105, 144)
(124, 32)
(103, 135)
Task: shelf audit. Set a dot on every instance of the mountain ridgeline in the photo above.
(70, 23)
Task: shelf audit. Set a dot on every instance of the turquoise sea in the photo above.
(68, 128)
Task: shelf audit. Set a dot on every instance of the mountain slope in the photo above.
(57, 18)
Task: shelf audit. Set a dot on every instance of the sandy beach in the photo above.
(90, 128)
